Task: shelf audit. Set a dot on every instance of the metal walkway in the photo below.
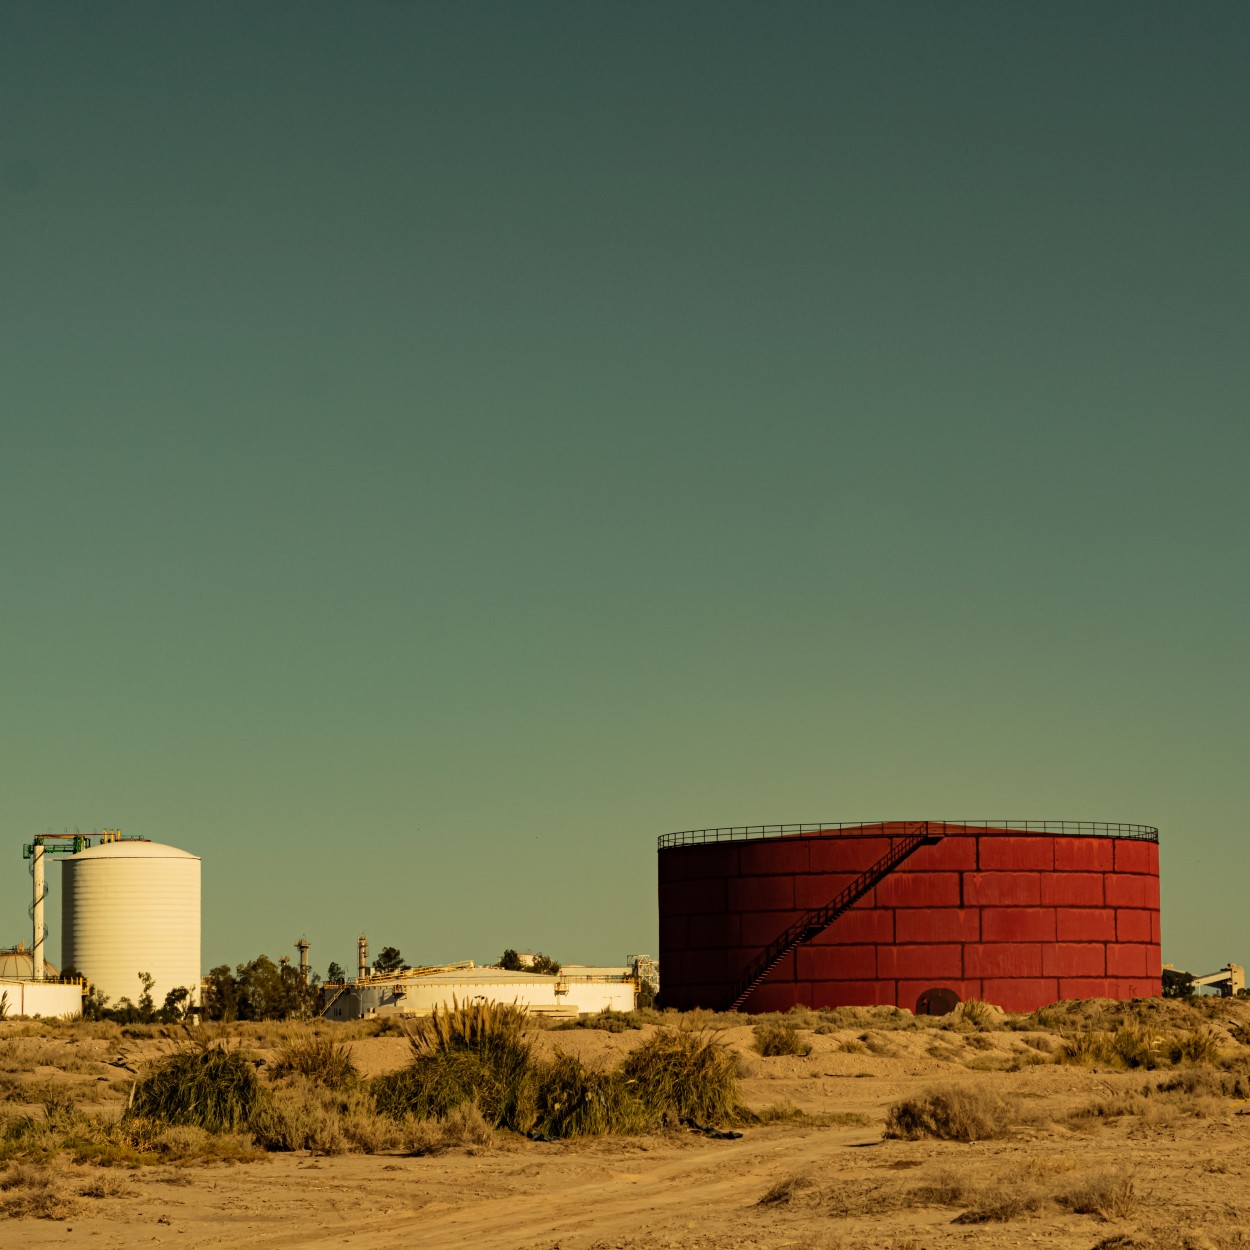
(820, 918)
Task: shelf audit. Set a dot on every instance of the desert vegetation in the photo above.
(1063, 1119)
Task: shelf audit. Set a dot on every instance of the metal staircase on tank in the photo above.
(820, 918)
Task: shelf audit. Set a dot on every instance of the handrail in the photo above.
(818, 919)
(1063, 828)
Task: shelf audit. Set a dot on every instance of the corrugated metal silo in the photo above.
(129, 907)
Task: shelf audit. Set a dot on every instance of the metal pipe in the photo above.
(36, 950)
(362, 957)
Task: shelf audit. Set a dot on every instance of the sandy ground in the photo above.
(850, 1185)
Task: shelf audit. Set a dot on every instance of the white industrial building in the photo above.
(576, 990)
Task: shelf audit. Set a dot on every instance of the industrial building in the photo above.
(129, 907)
(21, 994)
(914, 914)
(575, 990)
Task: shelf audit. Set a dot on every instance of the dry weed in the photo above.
(958, 1113)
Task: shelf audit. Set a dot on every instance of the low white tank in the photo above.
(129, 907)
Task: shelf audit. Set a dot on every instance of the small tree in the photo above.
(510, 961)
(335, 972)
(545, 964)
(389, 960)
(176, 1006)
(146, 1007)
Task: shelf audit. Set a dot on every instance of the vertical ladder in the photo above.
(820, 918)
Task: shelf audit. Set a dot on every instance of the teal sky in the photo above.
(444, 446)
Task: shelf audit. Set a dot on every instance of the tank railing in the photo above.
(1066, 828)
(818, 919)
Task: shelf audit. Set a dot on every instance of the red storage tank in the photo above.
(915, 914)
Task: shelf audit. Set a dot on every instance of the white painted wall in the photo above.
(41, 998)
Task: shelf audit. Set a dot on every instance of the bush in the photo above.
(680, 1075)
(463, 1127)
(955, 1114)
(205, 1086)
(472, 1053)
(1110, 1195)
(320, 1060)
(576, 1101)
(780, 1037)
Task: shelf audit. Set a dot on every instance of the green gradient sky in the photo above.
(443, 447)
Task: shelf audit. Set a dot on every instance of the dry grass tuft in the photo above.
(317, 1059)
(958, 1113)
(1109, 1195)
(780, 1037)
(31, 1193)
(463, 1128)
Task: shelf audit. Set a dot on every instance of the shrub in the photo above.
(1198, 1045)
(780, 1037)
(979, 1014)
(680, 1074)
(34, 1193)
(206, 1086)
(463, 1127)
(320, 1060)
(575, 1100)
(955, 1114)
(1110, 1195)
(475, 1052)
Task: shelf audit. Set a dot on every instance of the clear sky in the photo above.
(444, 446)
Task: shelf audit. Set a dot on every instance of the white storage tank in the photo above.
(131, 906)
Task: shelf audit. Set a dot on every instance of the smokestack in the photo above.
(302, 946)
(362, 956)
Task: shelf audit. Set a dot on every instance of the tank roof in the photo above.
(132, 848)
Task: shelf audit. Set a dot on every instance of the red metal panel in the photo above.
(1003, 889)
(674, 931)
(1132, 856)
(1018, 924)
(1084, 854)
(1136, 987)
(692, 897)
(916, 962)
(851, 855)
(817, 889)
(1133, 926)
(849, 993)
(939, 924)
(776, 996)
(761, 894)
(910, 991)
(836, 963)
(1085, 924)
(1003, 959)
(1072, 889)
(1017, 854)
(1086, 987)
(759, 928)
(1156, 929)
(955, 853)
(788, 855)
(919, 889)
(1021, 994)
(1124, 960)
(860, 924)
(1074, 959)
(709, 965)
(1132, 891)
(714, 931)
